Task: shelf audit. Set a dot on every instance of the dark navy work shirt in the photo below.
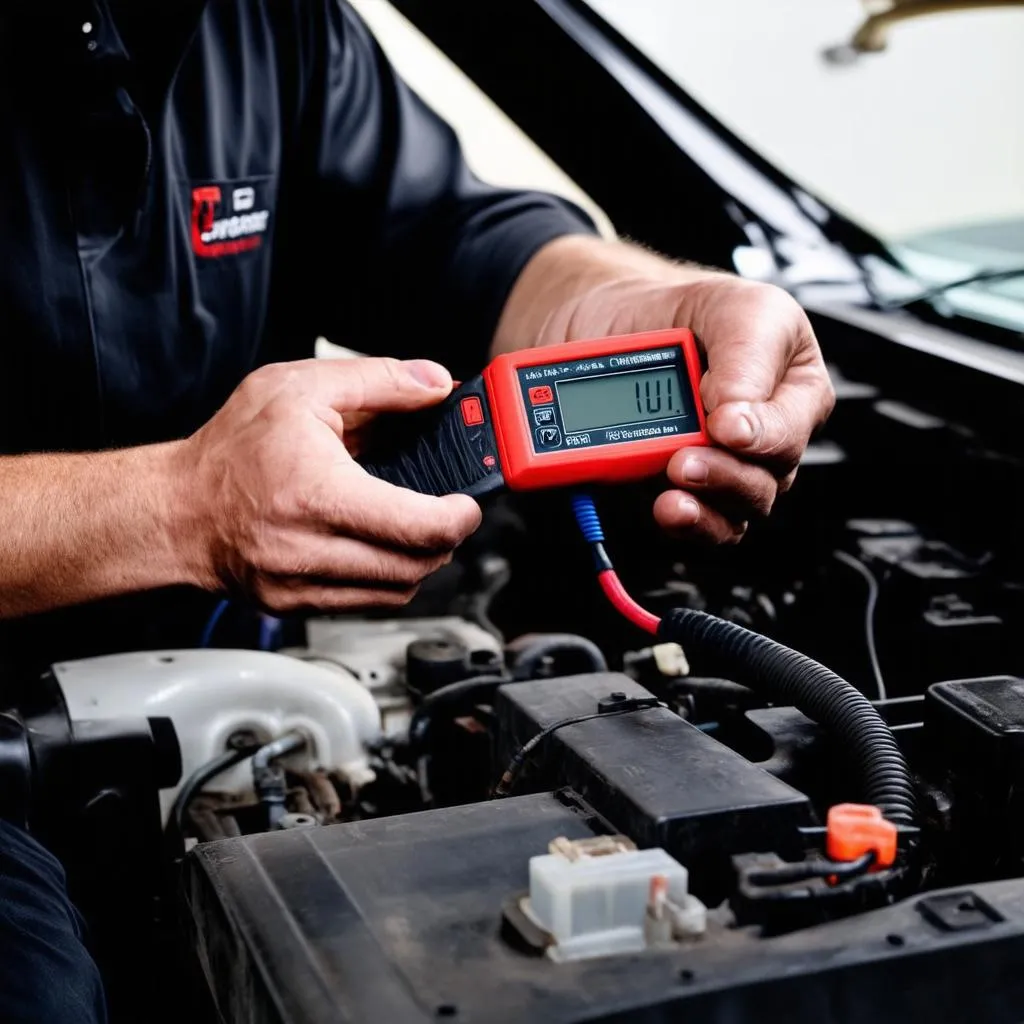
(189, 189)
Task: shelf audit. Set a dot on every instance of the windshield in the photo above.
(921, 143)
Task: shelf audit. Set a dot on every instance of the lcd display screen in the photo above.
(617, 399)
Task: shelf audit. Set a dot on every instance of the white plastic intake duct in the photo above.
(211, 694)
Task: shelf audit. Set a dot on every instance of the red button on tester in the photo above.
(541, 395)
(472, 412)
(856, 829)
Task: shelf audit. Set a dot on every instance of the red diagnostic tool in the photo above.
(612, 409)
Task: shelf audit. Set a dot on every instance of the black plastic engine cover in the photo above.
(655, 777)
(979, 726)
(974, 730)
(398, 921)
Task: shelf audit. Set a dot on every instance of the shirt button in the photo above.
(88, 26)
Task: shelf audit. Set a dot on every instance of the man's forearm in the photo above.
(75, 527)
(546, 298)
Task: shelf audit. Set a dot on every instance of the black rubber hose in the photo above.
(531, 651)
(197, 780)
(447, 701)
(783, 675)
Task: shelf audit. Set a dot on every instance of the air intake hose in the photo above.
(782, 675)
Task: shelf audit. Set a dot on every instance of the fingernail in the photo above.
(745, 432)
(689, 510)
(429, 374)
(695, 470)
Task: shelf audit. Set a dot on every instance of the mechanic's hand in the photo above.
(766, 391)
(766, 388)
(281, 509)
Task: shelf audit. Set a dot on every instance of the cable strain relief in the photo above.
(587, 518)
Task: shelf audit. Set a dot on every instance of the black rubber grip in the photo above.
(449, 449)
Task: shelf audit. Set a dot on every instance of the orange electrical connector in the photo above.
(855, 829)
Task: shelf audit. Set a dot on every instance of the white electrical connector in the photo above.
(597, 897)
(671, 660)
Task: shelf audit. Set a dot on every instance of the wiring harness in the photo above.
(778, 673)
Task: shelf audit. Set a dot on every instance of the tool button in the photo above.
(544, 416)
(472, 412)
(549, 437)
(541, 395)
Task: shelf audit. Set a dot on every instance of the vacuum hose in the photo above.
(785, 676)
(446, 702)
(579, 654)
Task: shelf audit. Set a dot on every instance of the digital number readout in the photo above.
(611, 400)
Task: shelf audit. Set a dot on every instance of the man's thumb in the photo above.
(429, 374)
(736, 425)
(384, 385)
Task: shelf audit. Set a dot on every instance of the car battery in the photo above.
(658, 779)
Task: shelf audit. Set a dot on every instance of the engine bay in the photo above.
(383, 819)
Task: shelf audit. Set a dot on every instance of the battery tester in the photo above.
(601, 411)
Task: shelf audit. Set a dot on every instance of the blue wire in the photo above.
(269, 629)
(211, 624)
(586, 516)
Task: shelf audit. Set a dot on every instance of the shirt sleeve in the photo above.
(414, 255)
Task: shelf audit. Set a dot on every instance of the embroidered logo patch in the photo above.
(227, 220)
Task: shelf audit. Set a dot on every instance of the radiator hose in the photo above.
(785, 676)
